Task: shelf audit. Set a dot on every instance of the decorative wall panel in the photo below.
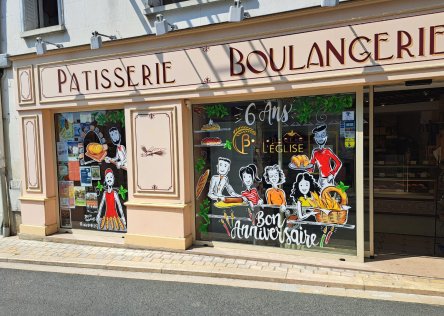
(25, 80)
(155, 152)
(31, 146)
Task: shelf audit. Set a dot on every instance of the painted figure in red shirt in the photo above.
(248, 175)
(324, 158)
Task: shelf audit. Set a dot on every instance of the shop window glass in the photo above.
(277, 172)
(91, 169)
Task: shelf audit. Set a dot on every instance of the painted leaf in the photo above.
(99, 187)
(341, 186)
(123, 192)
(101, 119)
(228, 145)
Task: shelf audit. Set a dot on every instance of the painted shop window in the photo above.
(277, 172)
(91, 169)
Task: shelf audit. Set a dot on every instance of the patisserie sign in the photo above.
(309, 55)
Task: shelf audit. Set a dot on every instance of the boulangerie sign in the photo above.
(294, 56)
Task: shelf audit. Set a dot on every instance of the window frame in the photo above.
(173, 6)
(32, 32)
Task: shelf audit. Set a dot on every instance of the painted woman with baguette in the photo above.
(303, 186)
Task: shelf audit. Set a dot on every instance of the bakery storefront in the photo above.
(264, 142)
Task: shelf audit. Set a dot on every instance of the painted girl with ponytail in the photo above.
(248, 175)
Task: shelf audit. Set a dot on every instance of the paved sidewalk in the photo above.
(13, 249)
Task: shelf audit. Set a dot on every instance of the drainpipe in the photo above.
(3, 179)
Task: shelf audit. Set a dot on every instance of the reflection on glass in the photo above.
(91, 170)
(277, 172)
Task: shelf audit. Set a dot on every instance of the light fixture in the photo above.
(40, 45)
(237, 12)
(162, 26)
(329, 3)
(96, 39)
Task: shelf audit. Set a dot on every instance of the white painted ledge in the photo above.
(43, 30)
(180, 5)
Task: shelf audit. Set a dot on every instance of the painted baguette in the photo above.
(202, 182)
(233, 199)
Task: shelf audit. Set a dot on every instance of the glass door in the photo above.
(91, 169)
(408, 170)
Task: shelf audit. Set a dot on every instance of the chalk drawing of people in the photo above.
(323, 158)
(220, 182)
(304, 185)
(120, 159)
(248, 175)
(274, 176)
(113, 219)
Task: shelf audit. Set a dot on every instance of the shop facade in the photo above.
(253, 141)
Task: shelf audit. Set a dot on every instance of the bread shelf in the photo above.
(218, 145)
(199, 131)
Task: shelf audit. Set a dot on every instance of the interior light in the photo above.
(424, 82)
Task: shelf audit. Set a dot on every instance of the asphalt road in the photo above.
(44, 293)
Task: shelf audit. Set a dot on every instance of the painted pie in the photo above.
(211, 141)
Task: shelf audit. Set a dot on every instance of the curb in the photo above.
(226, 275)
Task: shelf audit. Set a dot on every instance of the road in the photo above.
(45, 293)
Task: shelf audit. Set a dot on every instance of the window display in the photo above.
(92, 164)
(277, 172)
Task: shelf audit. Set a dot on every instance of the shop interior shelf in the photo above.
(403, 179)
(401, 166)
(218, 145)
(403, 195)
(406, 212)
(213, 131)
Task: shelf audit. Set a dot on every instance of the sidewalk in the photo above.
(13, 249)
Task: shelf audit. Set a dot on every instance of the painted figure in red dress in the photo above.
(113, 219)
(324, 158)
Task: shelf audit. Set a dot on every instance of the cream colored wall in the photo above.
(38, 199)
(166, 219)
(155, 216)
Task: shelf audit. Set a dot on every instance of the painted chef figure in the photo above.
(220, 182)
(113, 219)
(120, 159)
(324, 158)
